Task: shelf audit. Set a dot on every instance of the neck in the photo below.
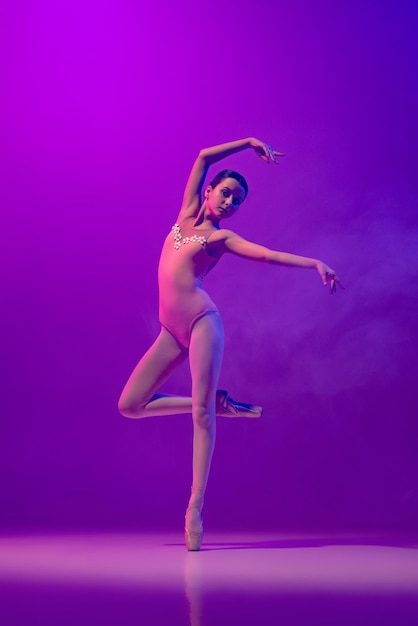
(206, 218)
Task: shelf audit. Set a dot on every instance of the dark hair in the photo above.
(230, 174)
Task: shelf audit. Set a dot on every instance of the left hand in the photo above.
(329, 277)
(264, 151)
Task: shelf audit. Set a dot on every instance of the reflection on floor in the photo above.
(245, 580)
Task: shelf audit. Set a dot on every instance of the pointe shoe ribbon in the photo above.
(227, 407)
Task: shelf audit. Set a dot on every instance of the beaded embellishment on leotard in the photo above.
(179, 240)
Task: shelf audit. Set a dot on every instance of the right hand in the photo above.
(264, 151)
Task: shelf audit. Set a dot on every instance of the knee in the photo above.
(202, 417)
(128, 409)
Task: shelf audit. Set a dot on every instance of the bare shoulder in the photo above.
(223, 234)
(219, 241)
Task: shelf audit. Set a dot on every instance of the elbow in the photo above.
(203, 156)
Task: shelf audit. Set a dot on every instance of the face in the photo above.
(225, 199)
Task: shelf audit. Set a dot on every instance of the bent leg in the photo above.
(139, 397)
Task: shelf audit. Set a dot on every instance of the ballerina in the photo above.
(191, 326)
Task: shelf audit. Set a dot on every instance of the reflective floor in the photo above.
(246, 580)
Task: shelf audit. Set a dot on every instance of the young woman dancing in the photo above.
(190, 323)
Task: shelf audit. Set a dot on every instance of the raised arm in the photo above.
(230, 242)
(208, 156)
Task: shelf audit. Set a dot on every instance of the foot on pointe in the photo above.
(193, 530)
(227, 407)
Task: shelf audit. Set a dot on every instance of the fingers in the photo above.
(264, 152)
(339, 283)
(272, 154)
(264, 156)
(268, 155)
(330, 276)
(333, 279)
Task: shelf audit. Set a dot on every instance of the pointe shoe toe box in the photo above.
(227, 407)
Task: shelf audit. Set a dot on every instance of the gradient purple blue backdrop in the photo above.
(106, 105)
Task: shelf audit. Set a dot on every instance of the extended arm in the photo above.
(208, 156)
(241, 247)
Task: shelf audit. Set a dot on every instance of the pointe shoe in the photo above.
(193, 538)
(227, 407)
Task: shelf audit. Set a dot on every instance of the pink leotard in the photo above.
(183, 264)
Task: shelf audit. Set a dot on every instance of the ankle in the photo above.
(196, 500)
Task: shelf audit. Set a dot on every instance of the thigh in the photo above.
(205, 355)
(155, 367)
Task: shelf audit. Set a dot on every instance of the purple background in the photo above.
(107, 105)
